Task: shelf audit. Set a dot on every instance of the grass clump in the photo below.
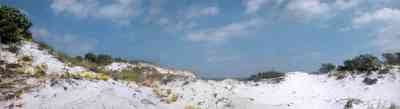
(191, 107)
(172, 98)
(86, 75)
(128, 74)
(40, 70)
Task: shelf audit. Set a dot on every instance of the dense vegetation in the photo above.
(14, 27)
(89, 60)
(273, 75)
(361, 64)
(364, 64)
(391, 58)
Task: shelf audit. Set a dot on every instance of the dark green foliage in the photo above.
(361, 64)
(101, 59)
(326, 68)
(104, 59)
(14, 25)
(267, 75)
(80, 58)
(391, 58)
(91, 57)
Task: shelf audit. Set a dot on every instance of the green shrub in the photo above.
(104, 59)
(361, 64)
(268, 75)
(40, 70)
(14, 25)
(326, 68)
(391, 58)
(91, 57)
(172, 98)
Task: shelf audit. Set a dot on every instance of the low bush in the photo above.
(40, 70)
(362, 64)
(128, 74)
(172, 98)
(275, 75)
(391, 58)
(326, 68)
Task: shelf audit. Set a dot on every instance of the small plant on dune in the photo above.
(172, 98)
(86, 75)
(40, 70)
(191, 107)
(102, 76)
(19, 93)
(26, 60)
(129, 74)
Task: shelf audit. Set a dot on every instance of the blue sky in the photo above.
(219, 37)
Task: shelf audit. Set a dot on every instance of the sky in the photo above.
(219, 38)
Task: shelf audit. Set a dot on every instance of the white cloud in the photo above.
(225, 32)
(347, 4)
(387, 22)
(303, 9)
(252, 6)
(386, 16)
(198, 12)
(117, 11)
(308, 8)
(69, 43)
(299, 8)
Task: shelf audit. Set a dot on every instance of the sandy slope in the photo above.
(299, 91)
